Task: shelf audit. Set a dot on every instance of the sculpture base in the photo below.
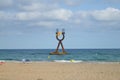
(58, 53)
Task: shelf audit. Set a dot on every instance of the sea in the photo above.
(76, 55)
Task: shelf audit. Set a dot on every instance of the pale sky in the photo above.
(31, 24)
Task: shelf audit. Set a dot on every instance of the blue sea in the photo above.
(80, 55)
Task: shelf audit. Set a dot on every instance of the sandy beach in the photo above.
(59, 71)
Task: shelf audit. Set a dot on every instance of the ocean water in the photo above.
(97, 55)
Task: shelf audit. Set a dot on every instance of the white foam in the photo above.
(2, 60)
(68, 61)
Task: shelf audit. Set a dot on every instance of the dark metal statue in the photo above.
(60, 43)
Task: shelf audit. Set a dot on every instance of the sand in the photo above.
(59, 71)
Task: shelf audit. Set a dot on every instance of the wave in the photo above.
(68, 61)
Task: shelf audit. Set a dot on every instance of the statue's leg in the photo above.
(62, 47)
(58, 46)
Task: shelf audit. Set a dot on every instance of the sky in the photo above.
(32, 24)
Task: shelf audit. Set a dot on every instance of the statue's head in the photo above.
(60, 35)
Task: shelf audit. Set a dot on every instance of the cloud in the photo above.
(5, 3)
(96, 20)
(7, 15)
(73, 2)
(48, 24)
(109, 14)
(68, 2)
(7, 33)
(112, 1)
(59, 14)
(32, 7)
(42, 13)
(37, 7)
(27, 15)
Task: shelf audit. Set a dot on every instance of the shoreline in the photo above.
(61, 61)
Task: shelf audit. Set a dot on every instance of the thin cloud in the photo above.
(6, 3)
(37, 7)
(73, 2)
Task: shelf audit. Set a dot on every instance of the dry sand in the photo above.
(59, 71)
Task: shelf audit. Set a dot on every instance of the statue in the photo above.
(60, 43)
